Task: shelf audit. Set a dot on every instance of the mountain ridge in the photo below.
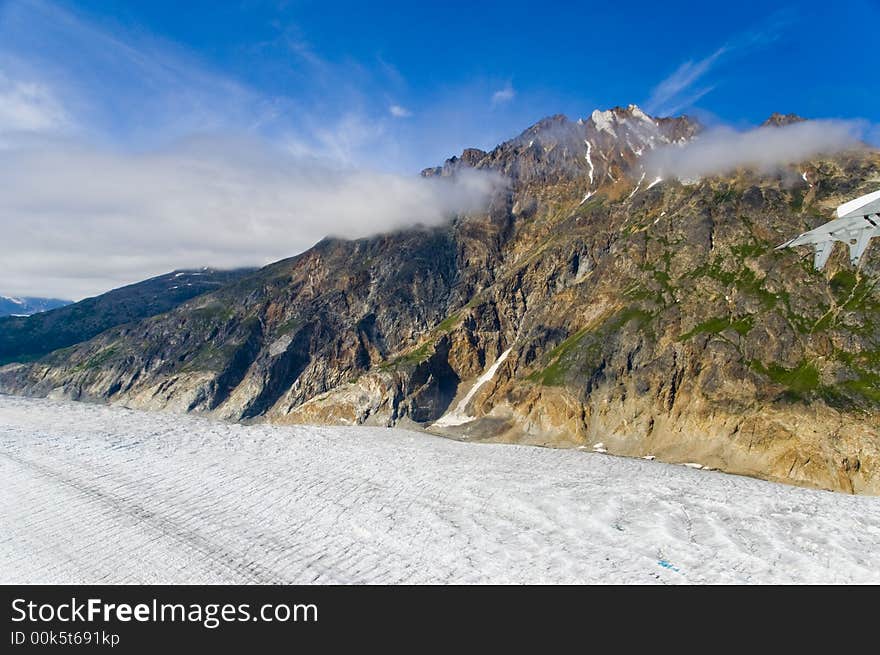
(642, 318)
(30, 337)
(27, 305)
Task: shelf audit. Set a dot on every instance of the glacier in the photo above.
(97, 494)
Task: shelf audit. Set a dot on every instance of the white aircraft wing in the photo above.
(858, 245)
(823, 252)
(857, 223)
(861, 206)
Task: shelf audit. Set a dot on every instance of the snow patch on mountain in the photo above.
(26, 306)
(589, 159)
(459, 415)
(603, 120)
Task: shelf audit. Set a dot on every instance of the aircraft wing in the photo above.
(862, 206)
(857, 222)
(837, 230)
(823, 252)
(858, 245)
(854, 230)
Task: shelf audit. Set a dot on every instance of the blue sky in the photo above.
(326, 75)
(137, 137)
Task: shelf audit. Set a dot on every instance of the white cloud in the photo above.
(123, 155)
(766, 148)
(505, 95)
(78, 220)
(125, 86)
(170, 164)
(27, 106)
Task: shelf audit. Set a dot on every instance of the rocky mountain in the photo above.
(781, 120)
(588, 306)
(24, 338)
(25, 306)
(604, 150)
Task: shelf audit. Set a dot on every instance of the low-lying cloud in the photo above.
(77, 220)
(721, 150)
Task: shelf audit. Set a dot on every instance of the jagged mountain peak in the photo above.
(642, 130)
(603, 149)
(548, 122)
(781, 120)
(607, 119)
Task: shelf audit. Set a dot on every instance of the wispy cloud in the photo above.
(765, 148)
(122, 157)
(139, 91)
(688, 84)
(77, 219)
(133, 89)
(677, 91)
(503, 96)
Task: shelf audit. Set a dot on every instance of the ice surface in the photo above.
(99, 494)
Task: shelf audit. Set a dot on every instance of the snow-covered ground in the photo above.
(100, 494)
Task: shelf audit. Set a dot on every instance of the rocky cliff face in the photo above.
(650, 316)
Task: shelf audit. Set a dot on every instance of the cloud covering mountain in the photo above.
(75, 217)
(723, 149)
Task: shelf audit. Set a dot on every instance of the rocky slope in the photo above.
(29, 337)
(643, 317)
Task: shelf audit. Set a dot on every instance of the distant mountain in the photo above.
(24, 338)
(25, 306)
(591, 305)
(781, 120)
